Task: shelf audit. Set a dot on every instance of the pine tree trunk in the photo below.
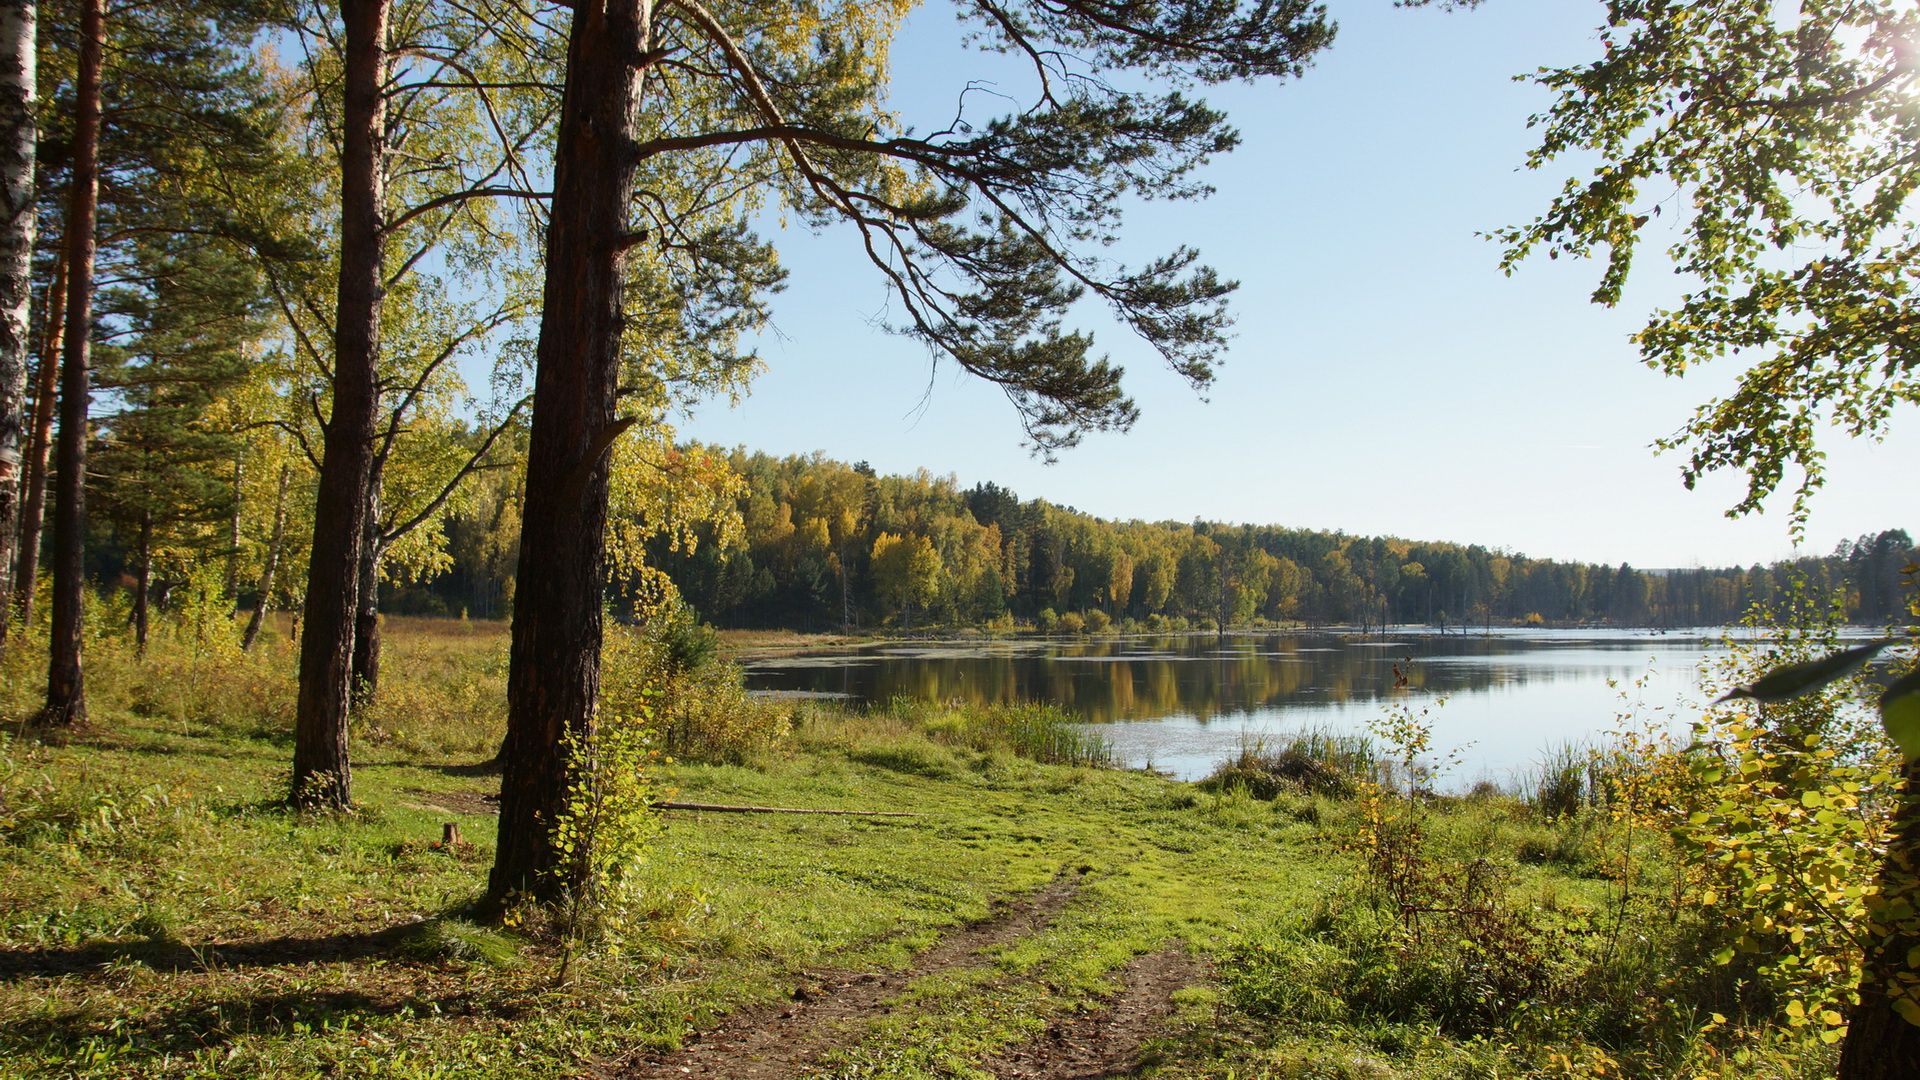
(553, 681)
(142, 580)
(1881, 1044)
(66, 692)
(38, 455)
(16, 274)
(321, 770)
(272, 563)
(366, 618)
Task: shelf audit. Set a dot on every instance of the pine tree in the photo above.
(987, 232)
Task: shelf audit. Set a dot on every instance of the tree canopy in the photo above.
(1775, 149)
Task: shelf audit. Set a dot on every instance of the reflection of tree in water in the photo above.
(1149, 678)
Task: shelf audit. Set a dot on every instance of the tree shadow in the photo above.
(216, 1013)
(211, 1022)
(489, 767)
(174, 956)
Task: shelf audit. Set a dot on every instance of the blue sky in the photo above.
(1385, 377)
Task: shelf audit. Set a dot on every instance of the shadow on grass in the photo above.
(212, 1022)
(489, 767)
(174, 956)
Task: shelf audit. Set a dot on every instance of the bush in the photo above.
(699, 708)
(1047, 620)
(1072, 623)
(1098, 621)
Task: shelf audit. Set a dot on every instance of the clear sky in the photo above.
(1385, 376)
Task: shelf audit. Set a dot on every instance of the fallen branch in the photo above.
(721, 808)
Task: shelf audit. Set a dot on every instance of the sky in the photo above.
(1385, 376)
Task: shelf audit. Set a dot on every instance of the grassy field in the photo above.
(161, 914)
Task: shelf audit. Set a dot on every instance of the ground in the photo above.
(163, 914)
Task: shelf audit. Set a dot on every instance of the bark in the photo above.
(66, 690)
(232, 582)
(553, 680)
(28, 574)
(142, 581)
(272, 563)
(322, 774)
(16, 273)
(366, 618)
(1881, 1044)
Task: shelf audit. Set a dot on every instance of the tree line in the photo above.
(823, 544)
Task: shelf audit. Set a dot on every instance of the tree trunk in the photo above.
(846, 595)
(321, 770)
(232, 582)
(1881, 1044)
(66, 693)
(272, 563)
(16, 273)
(553, 681)
(28, 574)
(366, 618)
(142, 580)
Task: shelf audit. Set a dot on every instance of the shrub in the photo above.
(1047, 620)
(604, 831)
(1072, 623)
(1098, 621)
(697, 704)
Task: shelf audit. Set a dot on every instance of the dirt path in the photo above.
(1107, 1042)
(778, 1041)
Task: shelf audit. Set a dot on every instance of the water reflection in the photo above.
(1147, 678)
(1183, 702)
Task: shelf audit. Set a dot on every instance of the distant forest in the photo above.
(818, 544)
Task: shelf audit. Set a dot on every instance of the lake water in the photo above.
(1183, 703)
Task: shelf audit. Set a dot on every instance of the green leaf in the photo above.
(1900, 714)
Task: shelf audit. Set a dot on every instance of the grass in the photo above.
(1310, 762)
(161, 915)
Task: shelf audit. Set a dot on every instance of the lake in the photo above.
(1183, 703)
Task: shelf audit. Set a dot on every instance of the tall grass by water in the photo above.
(1313, 761)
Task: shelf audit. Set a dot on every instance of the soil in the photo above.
(828, 1011)
(1107, 1042)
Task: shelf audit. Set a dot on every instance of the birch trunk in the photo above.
(16, 275)
(272, 563)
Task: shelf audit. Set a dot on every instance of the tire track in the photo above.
(779, 1040)
(1106, 1042)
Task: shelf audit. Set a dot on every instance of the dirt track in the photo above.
(775, 1042)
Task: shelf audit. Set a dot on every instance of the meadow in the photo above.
(1312, 911)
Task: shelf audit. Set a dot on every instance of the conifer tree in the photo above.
(987, 231)
(164, 465)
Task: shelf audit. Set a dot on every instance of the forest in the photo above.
(824, 545)
(316, 316)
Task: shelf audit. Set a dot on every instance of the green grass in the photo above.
(161, 915)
